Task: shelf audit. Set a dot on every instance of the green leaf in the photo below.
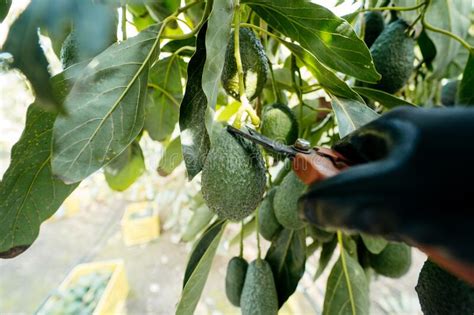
(4, 8)
(200, 219)
(174, 45)
(374, 244)
(106, 108)
(171, 158)
(287, 258)
(217, 37)
(385, 99)
(164, 96)
(126, 168)
(192, 117)
(28, 56)
(328, 37)
(347, 289)
(408, 16)
(29, 193)
(325, 76)
(452, 16)
(325, 256)
(198, 268)
(466, 88)
(351, 114)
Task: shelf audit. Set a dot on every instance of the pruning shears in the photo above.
(310, 164)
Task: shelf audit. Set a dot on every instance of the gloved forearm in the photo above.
(414, 180)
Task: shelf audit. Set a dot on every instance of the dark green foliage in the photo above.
(285, 203)
(233, 176)
(448, 93)
(393, 54)
(254, 63)
(234, 279)
(4, 8)
(394, 261)
(374, 26)
(441, 293)
(319, 234)
(279, 123)
(268, 224)
(259, 296)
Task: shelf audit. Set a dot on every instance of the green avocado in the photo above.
(285, 202)
(254, 63)
(374, 26)
(279, 123)
(441, 293)
(234, 279)
(233, 177)
(259, 295)
(394, 261)
(126, 168)
(268, 224)
(393, 55)
(449, 92)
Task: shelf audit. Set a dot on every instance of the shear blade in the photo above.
(265, 142)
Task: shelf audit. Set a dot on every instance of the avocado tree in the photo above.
(288, 68)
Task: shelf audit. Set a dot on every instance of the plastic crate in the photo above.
(114, 296)
(142, 229)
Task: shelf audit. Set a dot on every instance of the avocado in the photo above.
(259, 295)
(233, 177)
(234, 279)
(285, 202)
(449, 92)
(441, 293)
(393, 261)
(268, 224)
(374, 26)
(254, 63)
(393, 55)
(279, 123)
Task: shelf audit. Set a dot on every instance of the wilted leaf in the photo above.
(217, 36)
(351, 114)
(385, 99)
(452, 16)
(171, 158)
(194, 137)
(287, 258)
(126, 168)
(466, 88)
(198, 268)
(374, 244)
(106, 108)
(346, 293)
(328, 37)
(29, 193)
(164, 95)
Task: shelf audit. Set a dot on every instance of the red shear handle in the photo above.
(318, 165)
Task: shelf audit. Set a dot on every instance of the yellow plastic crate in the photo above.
(113, 299)
(140, 230)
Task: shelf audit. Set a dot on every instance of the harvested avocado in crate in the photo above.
(81, 297)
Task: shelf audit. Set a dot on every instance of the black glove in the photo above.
(414, 180)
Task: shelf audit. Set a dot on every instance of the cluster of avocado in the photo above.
(251, 286)
(392, 49)
(80, 298)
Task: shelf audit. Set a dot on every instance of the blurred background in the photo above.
(142, 236)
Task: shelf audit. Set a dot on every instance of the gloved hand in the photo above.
(414, 181)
